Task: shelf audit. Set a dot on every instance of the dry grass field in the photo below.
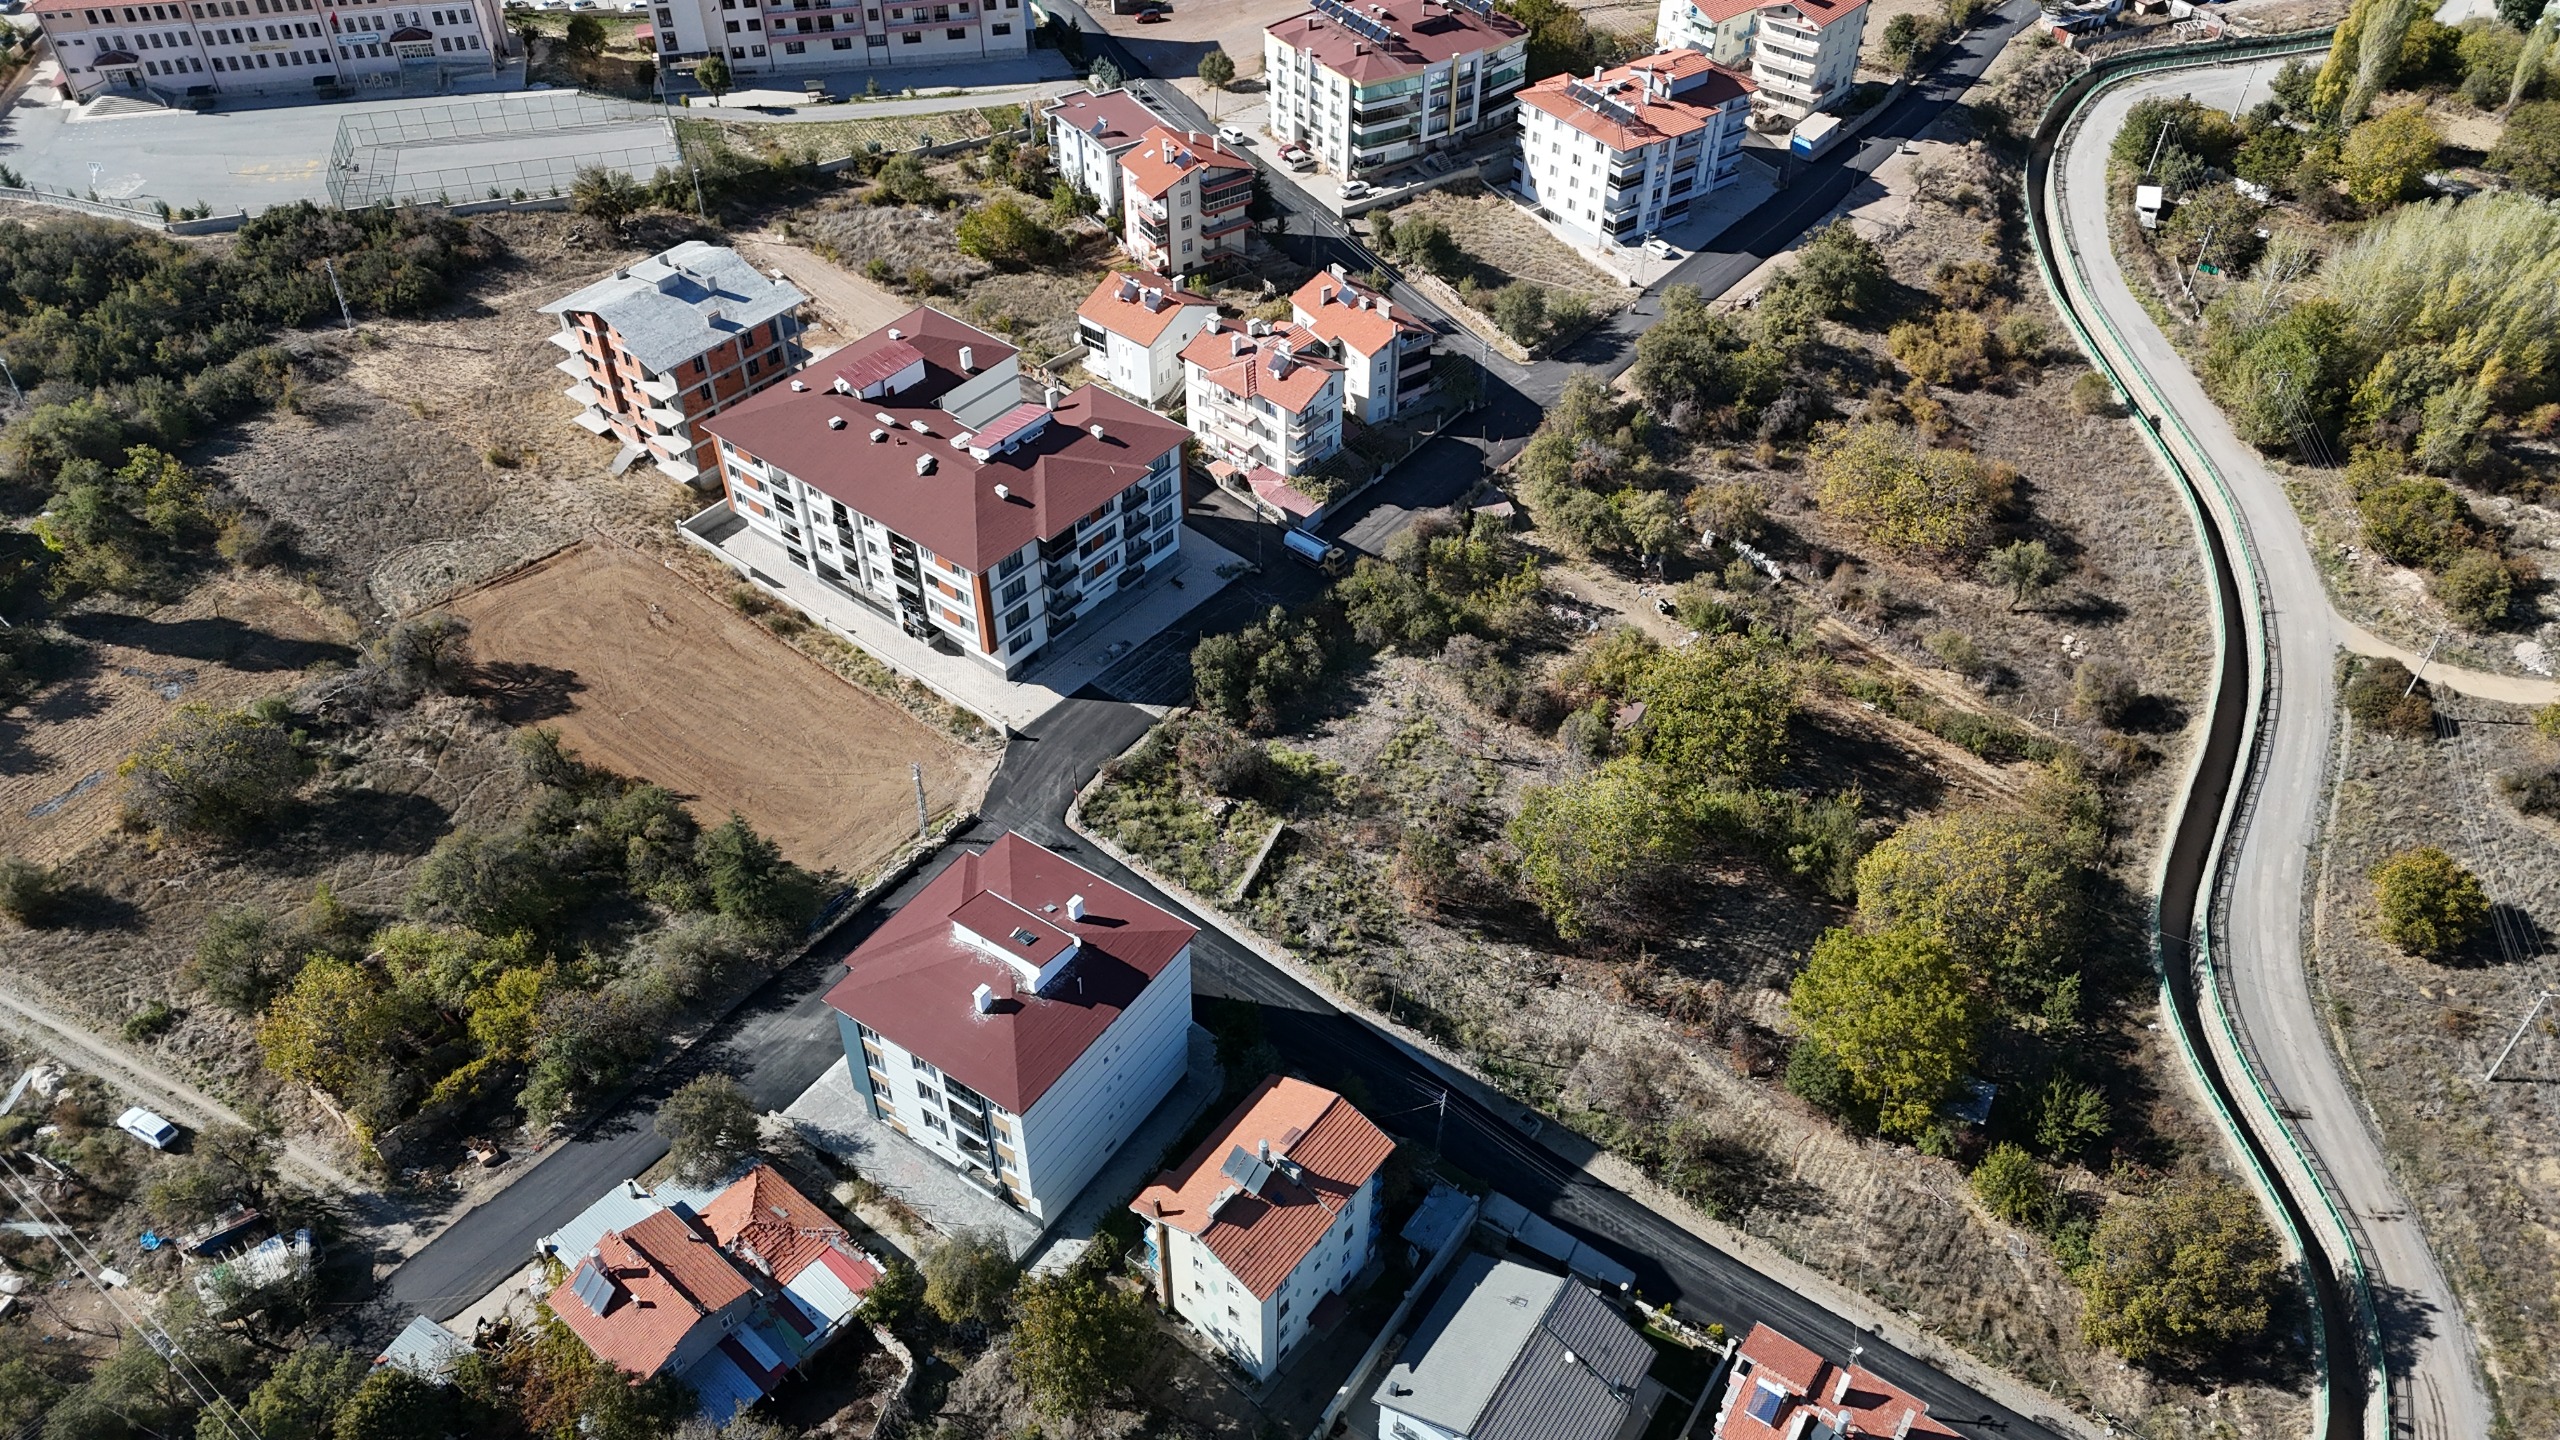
(644, 674)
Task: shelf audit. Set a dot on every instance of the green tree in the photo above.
(897, 1296)
(1843, 270)
(1902, 41)
(1519, 310)
(1717, 708)
(2529, 151)
(2181, 1273)
(1425, 241)
(1560, 40)
(1076, 1339)
(30, 894)
(1997, 887)
(968, 1277)
(2070, 1117)
(2430, 905)
(300, 1398)
(1594, 849)
(1906, 498)
(2025, 568)
(393, 1404)
(2014, 1187)
(340, 1028)
(605, 193)
(584, 37)
(712, 74)
(905, 180)
(2488, 52)
(2416, 521)
(1006, 235)
(122, 531)
(709, 1124)
(2387, 155)
(751, 882)
(217, 773)
(1896, 1008)
(1217, 69)
(2477, 589)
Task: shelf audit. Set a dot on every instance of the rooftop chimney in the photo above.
(799, 385)
(885, 418)
(1266, 1150)
(969, 359)
(835, 422)
(1096, 428)
(1004, 492)
(840, 387)
(924, 464)
(896, 334)
(984, 999)
(1075, 907)
(879, 437)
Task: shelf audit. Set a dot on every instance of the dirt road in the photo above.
(850, 304)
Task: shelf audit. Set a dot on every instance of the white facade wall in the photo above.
(1353, 129)
(1108, 1092)
(1088, 162)
(1259, 1334)
(1801, 67)
(1247, 431)
(1152, 373)
(271, 47)
(1683, 26)
(1605, 196)
(811, 37)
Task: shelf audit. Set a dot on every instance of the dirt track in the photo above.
(645, 674)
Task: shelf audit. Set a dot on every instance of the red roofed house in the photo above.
(1088, 133)
(1386, 355)
(1019, 1018)
(1134, 326)
(731, 1301)
(1183, 196)
(1721, 30)
(1384, 82)
(295, 49)
(910, 471)
(1619, 155)
(1272, 1217)
(1264, 397)
(1782, 1391)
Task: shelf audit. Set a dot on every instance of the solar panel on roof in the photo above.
(1355, 22)
(1246, 1169)
(1765, 1405)
(1481, 7)
(592, 1286)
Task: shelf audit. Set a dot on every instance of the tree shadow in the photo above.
(523, 693)
(213, 638)
(339, 822)
(78, 905)
(2406, 1319)
(2154, 715)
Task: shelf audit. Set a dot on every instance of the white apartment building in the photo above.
(911, 472)
(1804, 56)
(1385, 354)
(323, 49)
(1184, 200)
(1018, 1019)
(1377, 84)
(1134, 326)
(1618, 156)
(1721, 30)
(806, 37)
(1273, 1215)
(1088, 134)
(1263, 397)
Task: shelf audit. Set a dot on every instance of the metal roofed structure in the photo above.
(1512, 1353)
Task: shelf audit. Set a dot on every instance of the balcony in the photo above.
(661, 389)
(1154, 232)
(1378, 112)
(566, 340)
(1381, 134)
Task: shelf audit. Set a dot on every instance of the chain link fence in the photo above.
(504, 147)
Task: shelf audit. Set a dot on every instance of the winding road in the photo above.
(2255, 927)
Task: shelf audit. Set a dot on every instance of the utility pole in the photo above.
(2423, 662)
(923, 826)
(345, 314)
(15, 398)
(2530, 1011)
(2156, 146)
(1440, 1121)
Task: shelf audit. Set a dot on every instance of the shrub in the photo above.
(2025, 568)
(1952, 347)
(2386, 155)
(2014, 1187)
(1895, 1006)
(1519, 310)
(2382, 695)
(1004, 234)
(2476, 589)
(2070, 1117)
(2181, 1273)
(29, 893)
(905, 180)
(709, 1124)
(215, 773)
(2430, 905)
(2528, 152)
(1955, 650)
(1907, 499)
(969, 1277)
(2416, 521)
(2093, 394)
(2104, 691)
(1077, 1338)
(1424, 241)
(2488, 52)
(150, 1022)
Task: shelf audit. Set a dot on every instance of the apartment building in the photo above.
(1509, 1351)
(1370, 85)
(786, 38)
(658, 347)
(193, 49)
(1804, 54)
(911, 472)
(1270, 1218)
(1018, 1019)
(1183, 200)
(1616, 157)
(1134, 326)
(1721, 30)
(1783, 1391)
(1385, 353)
(1088, 133)
(1263, 397)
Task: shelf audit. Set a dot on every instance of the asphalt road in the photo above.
(2434, 1367)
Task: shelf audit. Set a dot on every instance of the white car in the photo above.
(1354, 189)
(1232, 138)
(148, 1128)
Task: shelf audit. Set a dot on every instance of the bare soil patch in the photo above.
(2479, 1161)
(644, 674)
(237, 637)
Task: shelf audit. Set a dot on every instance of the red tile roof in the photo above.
(667, 1277)
(1353, 313)
(1854, 1400)
(913, 981)
(1122, 116)
(1051, 481)
(1247, 364)
(1164, 156)
(1692, 89)
(1425, 33)
(1330, 1150)
(879, 360)
(1821, 13)
(762, 1219)
(1119, 305)
(1719, 11)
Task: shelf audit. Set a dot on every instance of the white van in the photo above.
(148, 1128)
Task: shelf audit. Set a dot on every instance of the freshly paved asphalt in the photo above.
(2437, 1391)
(783, 1038)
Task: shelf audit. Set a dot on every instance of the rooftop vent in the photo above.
(840, 387)
(1004, 492)
(1096, 429)
(1155, 298)
(924, 464)
(968, 359)
(879, 437)
(983, 999)
(897, 334)
(835, 422)
(799, 385)
(919, 427)
(1128, 289)
(885, 418)
(1258, 328)
(1075, 907)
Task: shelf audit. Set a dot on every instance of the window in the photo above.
(935, 1123)
(955, 33)
(1001, 29)
(843, 43)
(793, 48)
(912, 37)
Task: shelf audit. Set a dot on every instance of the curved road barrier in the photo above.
(2351, 1397)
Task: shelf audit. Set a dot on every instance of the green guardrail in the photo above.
(2061, 113)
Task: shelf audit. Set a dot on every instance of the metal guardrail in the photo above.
(2061, 118)
(103, 209)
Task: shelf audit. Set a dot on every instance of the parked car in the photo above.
(1658, 247)
(1154, 14)
(1297, 158)
(1354, 189)
(148, 1128)
(1233, 138)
